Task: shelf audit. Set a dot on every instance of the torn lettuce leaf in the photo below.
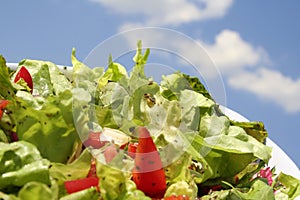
(20, 163)
(51, 128)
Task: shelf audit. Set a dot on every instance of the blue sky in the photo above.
(255, 45)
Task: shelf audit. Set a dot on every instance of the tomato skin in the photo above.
(132, 147)
(25, 75)
(93, 170)
(3, 104)
(81, 184)
(148, 173)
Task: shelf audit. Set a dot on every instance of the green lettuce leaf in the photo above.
(115, 184)
(3, 137)
(255, 129)
(287, 186)
(51, 128)
(226, 149)
(7, 90)
(8, 196)
(258, 190)
(179, 178)
(75, 170)
(114, 73)
(197, 86)
(36, 190)
(87, 194)
(20, 163)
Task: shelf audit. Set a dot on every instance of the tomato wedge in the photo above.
(91, 180)
(148, 173)
(25, 75)
(81, 184)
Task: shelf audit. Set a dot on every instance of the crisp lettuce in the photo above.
(20, 163)
(51, 128)
(287, 186)
(258, 190)
(36, 190)
(47, 77)
(7, 90)
(115, 184)
(87, 194)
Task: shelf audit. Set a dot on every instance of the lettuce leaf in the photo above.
(87, 194)
(258, 190)
(51, 129)
(287, 186)
(20, 163)
(46, 76)
(115, 184)
(36, 190)
(225, 149)
(7, 91)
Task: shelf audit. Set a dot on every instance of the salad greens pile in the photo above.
(205, 154)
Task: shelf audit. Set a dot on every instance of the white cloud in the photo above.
(231, 55)
(230, 52)
(168, 12)
(270, 85)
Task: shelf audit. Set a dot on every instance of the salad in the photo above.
(96, 133)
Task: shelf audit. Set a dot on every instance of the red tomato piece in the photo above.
(25, 75)
(94, 140)
(132, 149)
(93, 170)
(3, 104)
(81, 184)
(148, 173)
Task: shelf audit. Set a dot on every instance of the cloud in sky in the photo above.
(270, 85)
(239, 61)
(241, 64)
(167, 12)
(232, 53)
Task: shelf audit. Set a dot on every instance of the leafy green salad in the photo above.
(108, 133)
